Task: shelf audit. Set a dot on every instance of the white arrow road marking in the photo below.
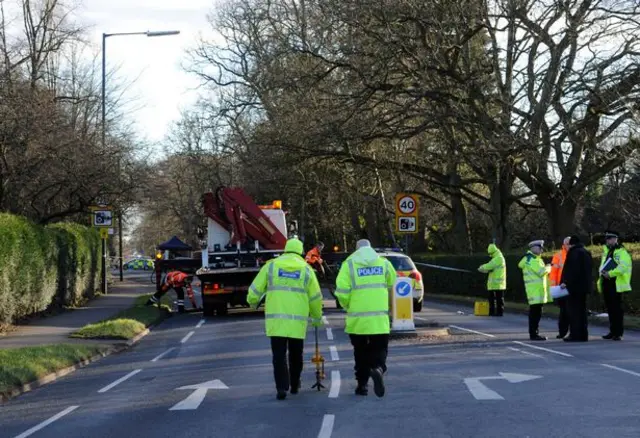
(335, 384)
(481, 392)
(47, 422)
(334, 353)
(327, 426)
(119, 381)
(197, 397)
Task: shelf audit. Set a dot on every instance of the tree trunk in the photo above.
(459, 229)
(500, 204)
(561, 213)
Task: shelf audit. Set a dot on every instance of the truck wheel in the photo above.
(221, 309)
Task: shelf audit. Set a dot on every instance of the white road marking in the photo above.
(325, 320)
(480, 391)
(543, 349)
(334, 353)
(524, 352)
(329, 334)
(327, 426)
(49, 421)
(119, 381)
(633, 373)
(472, 331)
(160, 356)
(335, 384)
(200, 324)
(186, 338)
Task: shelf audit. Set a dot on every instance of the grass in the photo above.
(630, 322)
(19, 366)
(128, 323)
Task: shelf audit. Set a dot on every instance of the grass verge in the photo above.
(128, 323)
(551, 309)
(19, 366)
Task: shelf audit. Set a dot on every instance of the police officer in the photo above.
(615, 280)
(292, 294)
(177, 281)
(535, 274)
(496, 280)
(362, 287)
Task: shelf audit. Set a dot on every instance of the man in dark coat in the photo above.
(577, 278)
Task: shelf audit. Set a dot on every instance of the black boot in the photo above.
(378, 381)
(281, 395)
(362, 389)
(537, 338)
(295, 387)
(180, 309)
(608, 336)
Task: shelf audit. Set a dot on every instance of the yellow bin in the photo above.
(481, 308)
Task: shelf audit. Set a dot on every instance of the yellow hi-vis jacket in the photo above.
(497, 269)
(362, 287)
(536, 278)
(622, 272)
(293, 293)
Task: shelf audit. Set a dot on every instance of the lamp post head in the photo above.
(162, 33)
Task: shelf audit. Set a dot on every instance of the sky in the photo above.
(158, 87)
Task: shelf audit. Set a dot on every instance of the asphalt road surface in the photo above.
(486, 380)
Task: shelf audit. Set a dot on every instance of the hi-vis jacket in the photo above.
(622, 272)
(536, 279)
(557, 263)
(362, 287)
(497, 269)
(292, 291)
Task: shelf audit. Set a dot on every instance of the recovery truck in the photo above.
(241, 237)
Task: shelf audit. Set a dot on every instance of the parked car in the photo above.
(405, 267)
(139, 264)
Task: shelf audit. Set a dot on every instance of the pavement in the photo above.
(485, 380)
(57, 328)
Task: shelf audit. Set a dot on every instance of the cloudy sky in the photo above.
(159, 86)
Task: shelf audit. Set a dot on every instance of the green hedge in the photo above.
(474, 284)
(45, 267)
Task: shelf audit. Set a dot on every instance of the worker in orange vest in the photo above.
(314, 258)
(177, 281)
(557, 263)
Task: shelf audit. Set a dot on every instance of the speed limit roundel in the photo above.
(407, 205)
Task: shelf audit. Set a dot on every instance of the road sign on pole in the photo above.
(406, 213)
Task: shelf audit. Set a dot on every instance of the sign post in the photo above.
(406, 215)
(402, 303)
(102, 218)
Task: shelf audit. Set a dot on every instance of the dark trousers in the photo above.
(287, 376)
(369, 351)
(496, 302)
(613, 302)
(563, 318)
(535, 314)
(179, 292)
(577, 306)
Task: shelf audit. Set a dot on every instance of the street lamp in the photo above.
(104, 111)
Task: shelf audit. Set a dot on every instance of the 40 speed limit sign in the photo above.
(406, 213)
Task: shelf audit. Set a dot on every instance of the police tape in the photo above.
(444, 268)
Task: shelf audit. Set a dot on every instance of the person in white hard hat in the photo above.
(536, 282)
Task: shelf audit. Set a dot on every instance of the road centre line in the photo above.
(633, 373)
(200, 324)
(329, 334)
(472, 331)
(524, 352)
(327, 426)
(186, 338)
(160, 356)
(334, 353)
(543, 349)
(45, 423)
(119, 381)
(334, 391)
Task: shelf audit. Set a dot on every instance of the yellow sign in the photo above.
(402, 319)
(104, 233)
(406, 213)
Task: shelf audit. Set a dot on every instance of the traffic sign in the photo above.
(402, 315)
(103, 218)
(104, 233)
(407, 208)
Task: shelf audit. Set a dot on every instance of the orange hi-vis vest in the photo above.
(313, 256)
(557, 263)
(176, 279)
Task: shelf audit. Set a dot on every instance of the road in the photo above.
(550, 389)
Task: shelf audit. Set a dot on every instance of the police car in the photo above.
(405, 267)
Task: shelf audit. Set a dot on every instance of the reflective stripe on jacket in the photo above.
(362, 287)
(497, 269)
(292, 294)
(622, 272)
(536, 278)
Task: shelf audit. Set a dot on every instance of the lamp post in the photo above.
(104, 111)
